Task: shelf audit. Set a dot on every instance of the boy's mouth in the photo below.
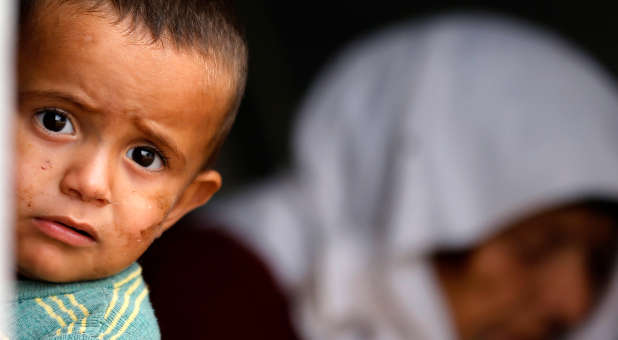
(67, 231)
(82, 232)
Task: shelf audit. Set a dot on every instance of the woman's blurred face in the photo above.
(538, 279)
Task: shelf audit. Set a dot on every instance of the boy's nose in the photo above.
(87, 179)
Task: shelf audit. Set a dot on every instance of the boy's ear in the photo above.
(206, 184)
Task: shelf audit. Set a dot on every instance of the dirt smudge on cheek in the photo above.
(163, 203)
(150, 232)
(25, 195)
(47, 165)
(138, 238)
(136, 243)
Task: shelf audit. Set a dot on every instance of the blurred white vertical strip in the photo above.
(8, 14)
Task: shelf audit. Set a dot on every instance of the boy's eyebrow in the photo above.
(67, 97)
(159, 138)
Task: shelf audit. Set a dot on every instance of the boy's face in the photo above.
(111, 134)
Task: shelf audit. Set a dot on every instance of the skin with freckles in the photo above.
(537, 280)
(112, 132)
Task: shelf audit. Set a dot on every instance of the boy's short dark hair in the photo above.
(209, 26)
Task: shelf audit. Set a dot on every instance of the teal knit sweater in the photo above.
(116, 307)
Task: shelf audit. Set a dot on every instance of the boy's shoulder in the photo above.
(112, 308)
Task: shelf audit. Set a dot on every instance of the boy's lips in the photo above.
(66, 230)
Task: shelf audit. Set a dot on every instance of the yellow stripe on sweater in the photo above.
(63, 308)
(82, 308)
(67, 311)
(136, 307)
(125, 305)
(50, 312)
(117, 286)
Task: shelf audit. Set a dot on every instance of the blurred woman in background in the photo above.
(456, 178)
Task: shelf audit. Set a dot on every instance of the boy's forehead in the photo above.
(97, 40)
(110, 69)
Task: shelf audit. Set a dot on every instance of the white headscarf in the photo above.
(427, 136)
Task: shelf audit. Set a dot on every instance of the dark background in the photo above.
(290, 41)
(232, 291)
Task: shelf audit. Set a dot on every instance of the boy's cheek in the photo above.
(162, 202)
(30, 181)
(140, 219)
(31, 160)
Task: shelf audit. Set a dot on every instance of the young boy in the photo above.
(122, 107)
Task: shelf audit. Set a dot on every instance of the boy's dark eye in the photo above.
(146, 157)
(55, 121)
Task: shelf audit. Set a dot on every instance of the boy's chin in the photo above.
(57, 276)
(41, 259)
(46, 269)
(42, 274)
